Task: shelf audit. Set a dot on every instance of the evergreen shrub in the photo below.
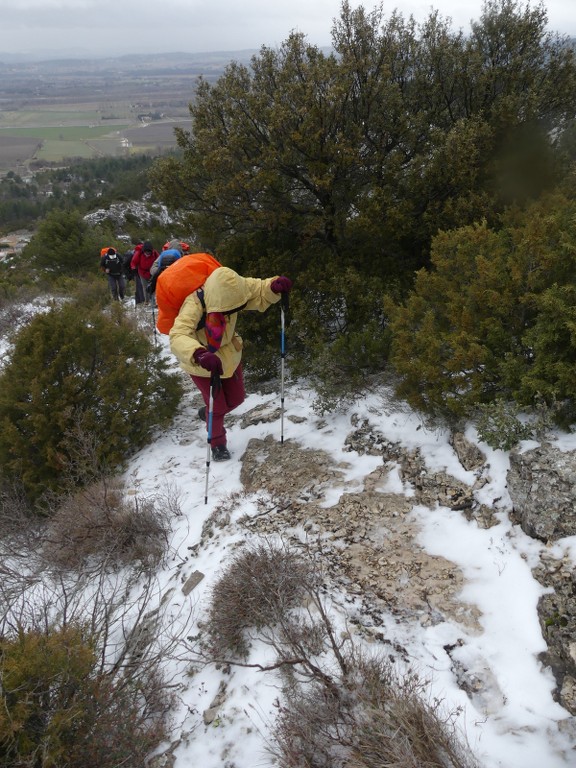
(494, 317)
(65, 244)
(340, 334)
(499, 426)
(90, 291)
(59, 708)
(79, 377)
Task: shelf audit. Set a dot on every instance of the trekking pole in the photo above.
(154, 326)
(209, 439)
(283, 307)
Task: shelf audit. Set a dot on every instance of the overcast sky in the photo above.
(130, 26)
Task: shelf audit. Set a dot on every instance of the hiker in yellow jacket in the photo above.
(204, 340)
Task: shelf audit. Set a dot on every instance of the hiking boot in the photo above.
(220, 453)
(202, 413)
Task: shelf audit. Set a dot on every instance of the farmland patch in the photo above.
(46, 117)
(16, 150)
(63, 132)
(84, 108)
(57, 151)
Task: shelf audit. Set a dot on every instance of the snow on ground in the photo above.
(513, 721)
(510, 721)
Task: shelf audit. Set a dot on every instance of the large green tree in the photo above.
(339, 168)
(361, 155)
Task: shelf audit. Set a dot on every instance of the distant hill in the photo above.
(174, 59)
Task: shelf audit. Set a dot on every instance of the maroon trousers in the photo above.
(230, 396)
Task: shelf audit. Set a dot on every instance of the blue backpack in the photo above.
(166, 258)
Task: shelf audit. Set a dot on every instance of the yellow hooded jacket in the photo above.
(224, 291)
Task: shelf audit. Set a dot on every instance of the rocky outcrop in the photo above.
(369, 538)
(469, 455)
(557, 616)
(121, 214)
(542, 487)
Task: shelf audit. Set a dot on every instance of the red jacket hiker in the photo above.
(143, 258)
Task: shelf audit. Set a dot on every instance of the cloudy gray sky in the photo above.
(130, 26)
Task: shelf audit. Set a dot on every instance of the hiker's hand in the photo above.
(281, 285)
(208, 360)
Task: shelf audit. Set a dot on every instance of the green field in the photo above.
(41, 117)
(56, 136)
(52, 151)
(64, 133)
(104, 106)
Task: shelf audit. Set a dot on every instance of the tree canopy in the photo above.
(341, 167)
(495, 317)
(361, 155)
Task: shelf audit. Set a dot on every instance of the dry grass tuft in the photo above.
(373, 718)
(100, 522)
(341, 707)
(256, 590)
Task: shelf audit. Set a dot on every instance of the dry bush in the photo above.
(397, 724)
(90, 670)
(88, 564)
(21, 536)
(372, 718)
(17, 514)
(309, 731)
(256, 590)
(100, 522)
(340, 707)
(125, 720)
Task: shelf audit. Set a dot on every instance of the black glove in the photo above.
(208, 360)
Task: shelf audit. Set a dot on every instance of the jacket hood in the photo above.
(175, 245)
(225, 290)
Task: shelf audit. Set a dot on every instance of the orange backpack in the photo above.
(177, 282)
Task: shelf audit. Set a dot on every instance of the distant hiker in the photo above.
(142, 260)
(204, 340)
(168, 256)
(132, 274)
(184, 247)
(111, 264)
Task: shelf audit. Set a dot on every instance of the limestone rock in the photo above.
(542, 487)
(469, 455)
